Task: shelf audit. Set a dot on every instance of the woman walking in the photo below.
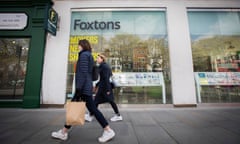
(104, 89)
(84, 89)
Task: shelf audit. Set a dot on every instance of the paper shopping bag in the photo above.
(75, 112)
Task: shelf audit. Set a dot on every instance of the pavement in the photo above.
(141, 125)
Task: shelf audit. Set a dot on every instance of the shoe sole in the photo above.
(58, 138)
(116, 120)
(108, 139)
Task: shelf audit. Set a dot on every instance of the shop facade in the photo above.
(22, 44)
(179, 52)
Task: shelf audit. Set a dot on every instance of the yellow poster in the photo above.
(73, 46)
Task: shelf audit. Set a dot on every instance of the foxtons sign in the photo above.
(96, 25)
(51, 21)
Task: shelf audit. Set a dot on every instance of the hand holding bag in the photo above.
(75, 110)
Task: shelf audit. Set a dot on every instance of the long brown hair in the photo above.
(85, 45)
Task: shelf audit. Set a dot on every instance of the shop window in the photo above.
(13, 65)
(133, 41)
(215, 41)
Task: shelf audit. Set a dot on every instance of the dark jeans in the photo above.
(102, 97)
(93, 109)
(113, 104)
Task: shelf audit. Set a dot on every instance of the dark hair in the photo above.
(85, 45)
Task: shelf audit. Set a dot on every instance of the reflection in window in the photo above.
(13, 65)
(215, 40)
(139, 45)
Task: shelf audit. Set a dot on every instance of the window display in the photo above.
(133, 41)
(215, 37)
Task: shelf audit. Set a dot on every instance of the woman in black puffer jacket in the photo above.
(84, 90)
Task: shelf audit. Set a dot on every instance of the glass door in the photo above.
(13, 64)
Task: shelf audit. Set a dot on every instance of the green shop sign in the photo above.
(51, 21)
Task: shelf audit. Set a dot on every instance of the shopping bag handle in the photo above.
(78, 96)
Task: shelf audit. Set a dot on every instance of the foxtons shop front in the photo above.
(161, 52)
(136, 49)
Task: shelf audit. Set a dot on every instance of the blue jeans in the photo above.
(93, 109)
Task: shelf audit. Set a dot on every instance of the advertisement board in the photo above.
(215, 78)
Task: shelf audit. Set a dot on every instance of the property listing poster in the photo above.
(218, 78)
(138, 79)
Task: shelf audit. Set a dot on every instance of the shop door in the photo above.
(13, 64)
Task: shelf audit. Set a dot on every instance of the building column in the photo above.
(181, 64)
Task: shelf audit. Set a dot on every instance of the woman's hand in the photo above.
(108, 93)
(95, 89)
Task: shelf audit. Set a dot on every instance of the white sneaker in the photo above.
(60, 135)
(88, 117)
(116, 118)
(106, 136)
